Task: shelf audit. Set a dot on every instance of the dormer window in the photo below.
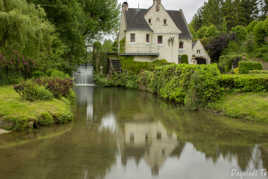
(181, 45)
(165, 21)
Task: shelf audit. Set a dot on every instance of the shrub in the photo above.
(58, 74)
(184, 59)
(46, 119)
(57, 86)
(38, 74)
(246, 66)
(258, 72)
(130, 66)
(32, 91)
(245, 82)
(226, 62)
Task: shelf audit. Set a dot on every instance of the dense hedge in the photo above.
(246, 66)
(131, 66)
(191, 85)
(258, 72)
(245, 82)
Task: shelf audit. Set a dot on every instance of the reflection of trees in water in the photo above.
(86, 154)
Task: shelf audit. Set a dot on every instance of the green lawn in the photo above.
(14, 109)
(250, 106)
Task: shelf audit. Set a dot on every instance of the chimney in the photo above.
(157, 3)
(125, 7)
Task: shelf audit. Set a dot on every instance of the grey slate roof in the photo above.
(179, 19)
(136, 21)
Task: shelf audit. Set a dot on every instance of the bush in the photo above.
(57, 86)
(32, 91)
(246, 66)
(244, 83)
(130, 66)
(226, 62)
(58, 74)
(38, 74)
(258, 72)
(184, 59)
(46, 119)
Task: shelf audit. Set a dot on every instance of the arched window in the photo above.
(181, 45)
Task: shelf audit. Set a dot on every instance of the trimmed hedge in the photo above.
(191, 85)
(245, 83)
(130, 66)
(258, 72)
(246, 66)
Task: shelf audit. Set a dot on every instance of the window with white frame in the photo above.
(160, 39)
(132, 37)
(147, 38)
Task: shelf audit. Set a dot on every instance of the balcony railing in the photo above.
(142, 48)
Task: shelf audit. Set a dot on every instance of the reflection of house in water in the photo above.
(147, 140)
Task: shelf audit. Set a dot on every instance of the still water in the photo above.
(125, 134)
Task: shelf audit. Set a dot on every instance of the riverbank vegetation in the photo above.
(33, 110)
(41, 44)
(197, 86)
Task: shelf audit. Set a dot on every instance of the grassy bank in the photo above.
(250, 106)
(19, 114)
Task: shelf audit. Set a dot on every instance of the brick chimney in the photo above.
(125, 7)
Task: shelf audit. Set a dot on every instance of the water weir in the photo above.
(84, 76)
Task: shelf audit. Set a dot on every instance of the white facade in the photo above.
(163, 34)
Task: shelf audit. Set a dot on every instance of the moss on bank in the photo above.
(19, 114)
(250, 106)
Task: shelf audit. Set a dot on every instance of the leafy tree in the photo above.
(240, 33)
(217, 45)
(260, 32)
(28, 41)
(79, 23)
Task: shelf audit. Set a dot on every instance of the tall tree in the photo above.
(79, 22)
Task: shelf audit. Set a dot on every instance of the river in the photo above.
(128, 134)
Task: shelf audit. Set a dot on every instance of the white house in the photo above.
(157, 33)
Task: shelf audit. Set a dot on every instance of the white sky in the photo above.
(189, 7)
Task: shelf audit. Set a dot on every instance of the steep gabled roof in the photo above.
(179, 20)
(136, 21)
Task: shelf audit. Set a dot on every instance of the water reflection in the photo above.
(147, 140)
(135, 135)
(85, 99)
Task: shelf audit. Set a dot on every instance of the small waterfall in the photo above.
(84, 76)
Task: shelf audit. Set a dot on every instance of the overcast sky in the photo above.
(189, 6)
